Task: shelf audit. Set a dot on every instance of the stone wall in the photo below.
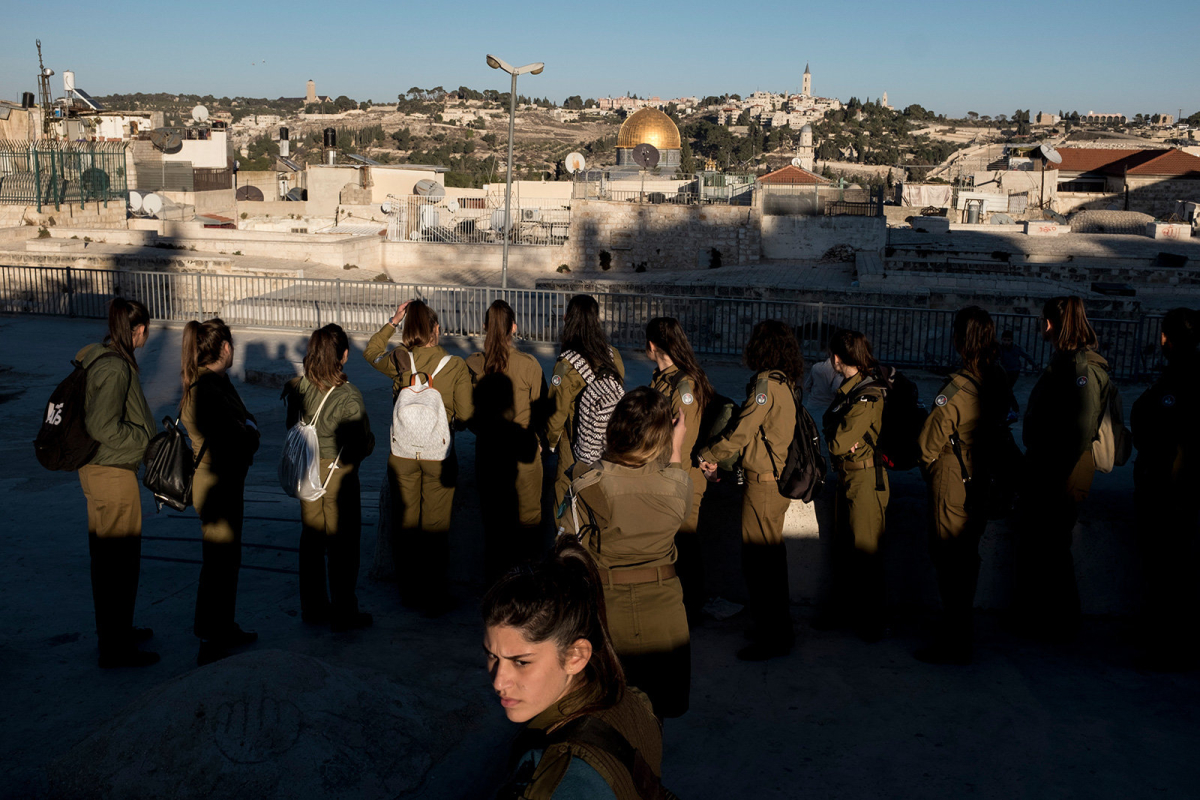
(656, 237)
(800, 238)
(398, 257)
(334, 251)
(90, 215)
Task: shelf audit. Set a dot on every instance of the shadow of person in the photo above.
(505, 457)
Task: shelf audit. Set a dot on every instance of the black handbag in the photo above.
(170, 466)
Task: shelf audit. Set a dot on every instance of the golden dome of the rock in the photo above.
(649, 126)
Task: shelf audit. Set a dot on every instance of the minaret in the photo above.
(806, 86)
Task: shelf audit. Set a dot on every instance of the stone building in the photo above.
(653, 127)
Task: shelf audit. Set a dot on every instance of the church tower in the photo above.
(310, 94)
(806, 86)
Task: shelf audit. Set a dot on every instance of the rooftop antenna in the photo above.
(46, 98)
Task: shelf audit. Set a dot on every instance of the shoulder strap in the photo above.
(322, 405)
(594, 733)
(412, 364)
(580, 364)
(445, 360)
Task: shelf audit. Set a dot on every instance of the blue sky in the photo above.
(951, 57)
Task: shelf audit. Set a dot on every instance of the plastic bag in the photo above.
(300, 463)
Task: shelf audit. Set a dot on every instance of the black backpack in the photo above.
(804, 469)
(904, 416)
(170, 466)
(63, 442)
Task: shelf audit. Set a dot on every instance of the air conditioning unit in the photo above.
(531, 214)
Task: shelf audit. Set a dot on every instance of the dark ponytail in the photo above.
(561, 600)
(975, 339)
(667, 335)
(202, 343)
(1069, 323)
(123, 316)
(853, 349)
(583, 333)
(498, 321)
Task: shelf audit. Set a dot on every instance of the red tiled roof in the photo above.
(790, 176)
(1171, 163)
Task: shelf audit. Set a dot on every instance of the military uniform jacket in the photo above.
(343, 426)
(769, 413)
(1166, 430)
(216, 422)
(453, 382)
(637, 512)
(963, 408)
(678, 389)
(853, 418)
(116, 413)
(565, 387)
(528, 385)
(1062, 417)
(573, 769)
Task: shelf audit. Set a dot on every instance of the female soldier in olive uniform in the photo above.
(1166, 431)
(959, 445)
(762, 432)
(582, 334)
(422, 491)
(332, 524)
(1062, 418)
(679, 377)
(117, 416)
(224, 437)
(852, 426)
(627, 509)
(509, 391)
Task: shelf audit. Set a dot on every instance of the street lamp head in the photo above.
(496, 63)
(537, 68)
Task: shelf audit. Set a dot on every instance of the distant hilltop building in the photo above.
(310, 96)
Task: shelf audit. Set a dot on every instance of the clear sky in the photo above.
(951, 57)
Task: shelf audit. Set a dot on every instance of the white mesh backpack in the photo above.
(300, 461)
(420, 428)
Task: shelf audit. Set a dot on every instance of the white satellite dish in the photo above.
(135, 202)
(430, 217)
(386, 208)
(498, 220)
(452, 206)
(1050, 154)
(152, 204)
(200, 114)
(574, 162)
(796, 162)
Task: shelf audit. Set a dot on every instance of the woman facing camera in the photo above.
(626, 510)
(552, 664)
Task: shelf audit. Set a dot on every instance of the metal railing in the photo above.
(49, 172)
(911, 337)
(478, 220)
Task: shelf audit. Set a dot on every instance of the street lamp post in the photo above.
(532, 69)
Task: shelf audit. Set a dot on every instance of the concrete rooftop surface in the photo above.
(404, 709)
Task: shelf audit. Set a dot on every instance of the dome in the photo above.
(649, 126)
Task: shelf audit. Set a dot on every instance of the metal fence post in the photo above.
(37, 179)
(339, 301)
(199, 297)
(70, 293)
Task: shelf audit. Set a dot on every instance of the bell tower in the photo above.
(806, 86)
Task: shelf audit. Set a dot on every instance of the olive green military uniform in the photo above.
(117, 416)
(509, 408)
(423, 491)
(764, 428)
(333, 522)
(225, 439)
(969, 410)
(565, 387)
(627, 518)
(852, 425)
(679, 389)
(1165, 422)
(1062, 418)
(580, 768)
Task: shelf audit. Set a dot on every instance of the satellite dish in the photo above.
(429, 188)
(135, 201)
(200, 114)
(386, 208)
(498, 220)
(796, 162)
(166, 140)
(152, 204)
(430, 217)
(574, 162)
(452, 206)
(1000, 218)
(1050, 154)
(252, 193)
(646, 155)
